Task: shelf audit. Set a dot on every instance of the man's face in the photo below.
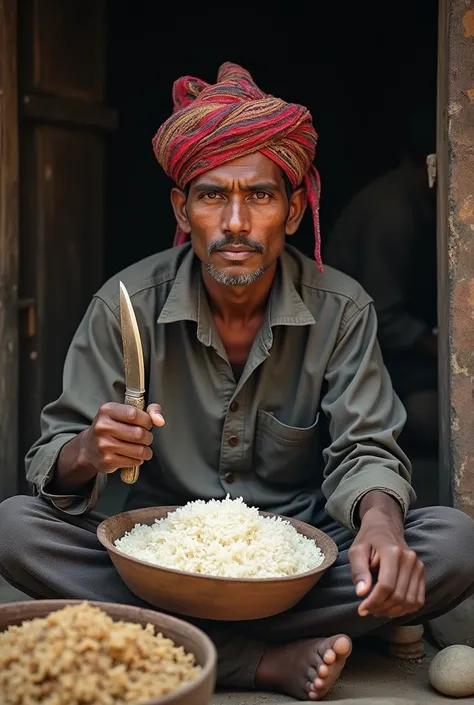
(238, 215)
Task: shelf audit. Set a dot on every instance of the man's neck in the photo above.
(238, 303)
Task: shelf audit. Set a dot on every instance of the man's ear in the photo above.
(178, 201)
(296, 210)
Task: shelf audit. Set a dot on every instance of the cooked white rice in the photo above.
(223, 538)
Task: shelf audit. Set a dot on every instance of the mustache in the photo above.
(239, 240)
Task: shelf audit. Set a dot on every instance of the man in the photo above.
(386, 240)
(245, 340)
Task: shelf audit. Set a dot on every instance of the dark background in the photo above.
(361, 69)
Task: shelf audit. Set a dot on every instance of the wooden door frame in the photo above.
(9, 248)
(455, 251)
(455, 222)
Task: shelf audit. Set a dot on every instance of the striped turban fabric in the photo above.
(214, 124)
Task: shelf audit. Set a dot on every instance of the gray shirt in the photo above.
(262, 437)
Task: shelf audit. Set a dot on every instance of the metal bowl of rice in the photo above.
(218, 560)
(72, 652)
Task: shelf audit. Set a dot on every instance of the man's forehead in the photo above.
(251, 167)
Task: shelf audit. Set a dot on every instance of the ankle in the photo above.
(266, 675)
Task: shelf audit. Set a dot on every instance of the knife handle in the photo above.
(130, 475)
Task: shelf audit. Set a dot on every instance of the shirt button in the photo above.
(233, 440)
(234, 406)
(229, 478)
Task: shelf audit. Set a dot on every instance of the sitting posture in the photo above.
(272, 388)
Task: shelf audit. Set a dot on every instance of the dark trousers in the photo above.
(48, 554)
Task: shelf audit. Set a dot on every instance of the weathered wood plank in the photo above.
(456, 251)
(8, 249)
(68, 112)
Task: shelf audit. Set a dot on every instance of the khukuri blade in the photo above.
(134, 366)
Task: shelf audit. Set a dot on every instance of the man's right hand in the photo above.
(120, 436)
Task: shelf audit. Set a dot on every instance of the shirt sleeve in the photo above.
(386, 268)
(365, 419)
(93, 375)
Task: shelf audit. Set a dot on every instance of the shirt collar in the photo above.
(182, 302)
(286, 307)
(187, 299)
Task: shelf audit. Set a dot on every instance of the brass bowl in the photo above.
(192, 639)
(208, 597)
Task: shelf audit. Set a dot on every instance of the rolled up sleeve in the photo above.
(365, 419)
(93, 375)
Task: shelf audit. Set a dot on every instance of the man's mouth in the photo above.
(236, 253)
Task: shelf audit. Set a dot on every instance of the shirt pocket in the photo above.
(285, 455)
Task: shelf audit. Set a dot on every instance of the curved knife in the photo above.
(134, 367)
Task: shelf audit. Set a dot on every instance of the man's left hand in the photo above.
(380, 545)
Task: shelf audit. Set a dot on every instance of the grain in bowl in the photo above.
(79, 655)
(223, 538)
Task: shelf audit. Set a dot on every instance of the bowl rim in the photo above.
(207, 670)
(330, 556)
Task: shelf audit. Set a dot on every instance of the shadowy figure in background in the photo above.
(386, 240)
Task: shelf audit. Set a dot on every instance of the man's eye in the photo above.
(212, 195)
(261, 195)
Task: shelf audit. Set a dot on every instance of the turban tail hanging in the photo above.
(213, 124)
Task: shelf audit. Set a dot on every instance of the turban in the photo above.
(213, 124)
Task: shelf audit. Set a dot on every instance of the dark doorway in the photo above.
(358, 68)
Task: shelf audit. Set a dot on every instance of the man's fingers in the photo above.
(116, 462)
(422, 590)
(404, 578)
(125, 413)
(125, 432)
(386, 583)
(375, 560)
(156, 414)
(415, 597)
(359, 559)
(411, 604)
(131, 451)
(407, 597)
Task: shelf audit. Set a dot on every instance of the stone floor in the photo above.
(369, 679)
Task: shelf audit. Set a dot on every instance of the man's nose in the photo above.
(236, 218)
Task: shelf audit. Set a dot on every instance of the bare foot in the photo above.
(304, 669)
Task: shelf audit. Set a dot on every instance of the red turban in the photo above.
(213, 124)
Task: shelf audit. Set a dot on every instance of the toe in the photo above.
(329, 657)
(323, 671)
(342, 646)
(315, 660)
(334, 654)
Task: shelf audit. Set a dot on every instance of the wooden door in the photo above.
(8, 247)
(62, 132)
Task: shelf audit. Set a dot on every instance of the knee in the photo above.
(451, 537)
(12, 512)
(15, 529)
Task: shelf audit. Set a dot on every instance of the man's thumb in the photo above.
(156, 414)
(359, 558)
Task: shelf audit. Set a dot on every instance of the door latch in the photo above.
(27, 309)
